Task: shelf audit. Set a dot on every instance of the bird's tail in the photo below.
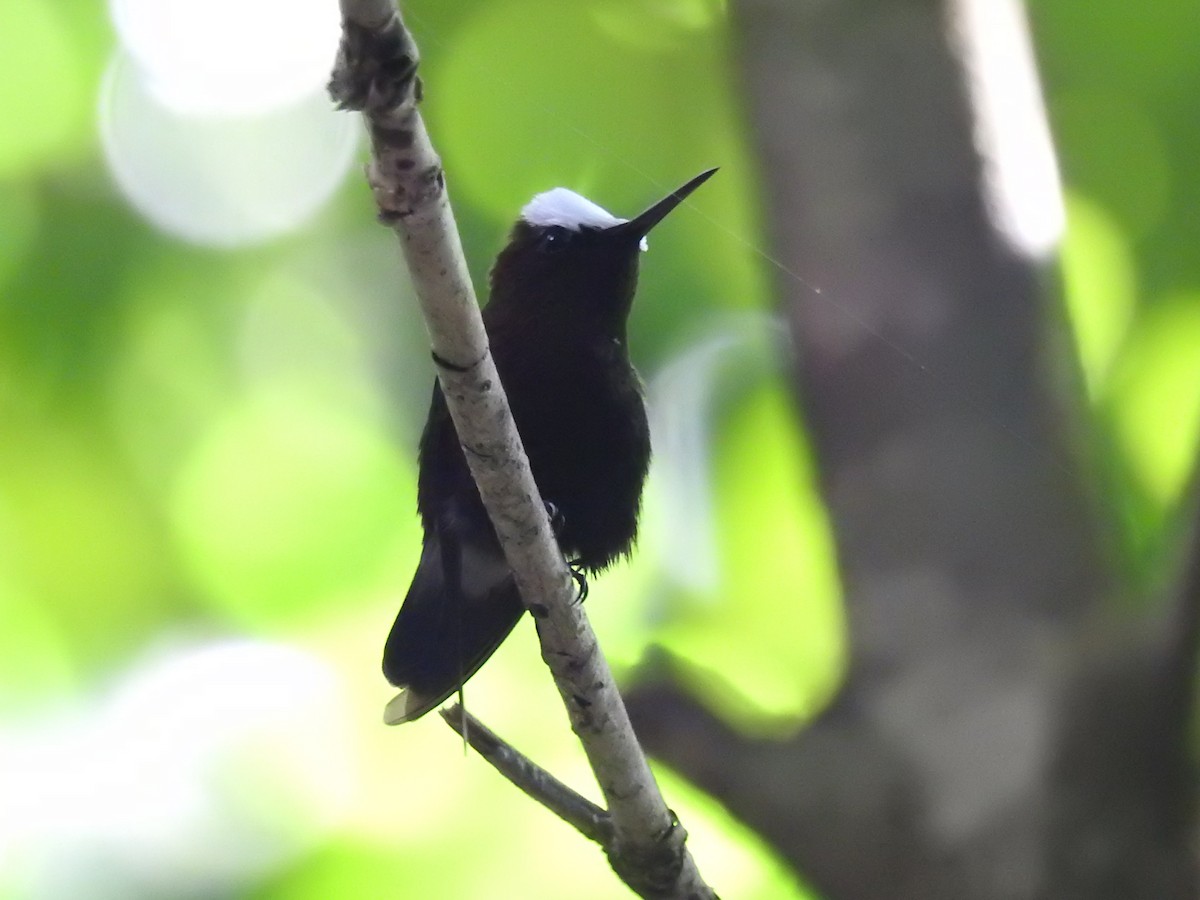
(462, 604)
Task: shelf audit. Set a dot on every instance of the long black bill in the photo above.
(640, 226)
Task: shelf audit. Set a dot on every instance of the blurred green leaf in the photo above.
(1156, 396)
(1101, 289)
(773, 627)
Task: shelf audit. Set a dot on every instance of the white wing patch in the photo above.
(567, 209)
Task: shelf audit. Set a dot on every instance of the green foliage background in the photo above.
(199, 445)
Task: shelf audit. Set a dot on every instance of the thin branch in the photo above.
(375, 73)
(572, 807)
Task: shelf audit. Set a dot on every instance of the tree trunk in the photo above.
(999, 735)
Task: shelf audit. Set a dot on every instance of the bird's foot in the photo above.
(580, 576)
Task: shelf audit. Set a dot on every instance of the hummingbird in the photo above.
(561, 291)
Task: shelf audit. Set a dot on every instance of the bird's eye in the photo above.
(554, 239)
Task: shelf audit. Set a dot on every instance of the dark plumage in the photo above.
(561, 291)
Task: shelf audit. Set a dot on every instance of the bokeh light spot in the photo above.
(208, 767)
(290, 504)
(221, 179)
(229, 56)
